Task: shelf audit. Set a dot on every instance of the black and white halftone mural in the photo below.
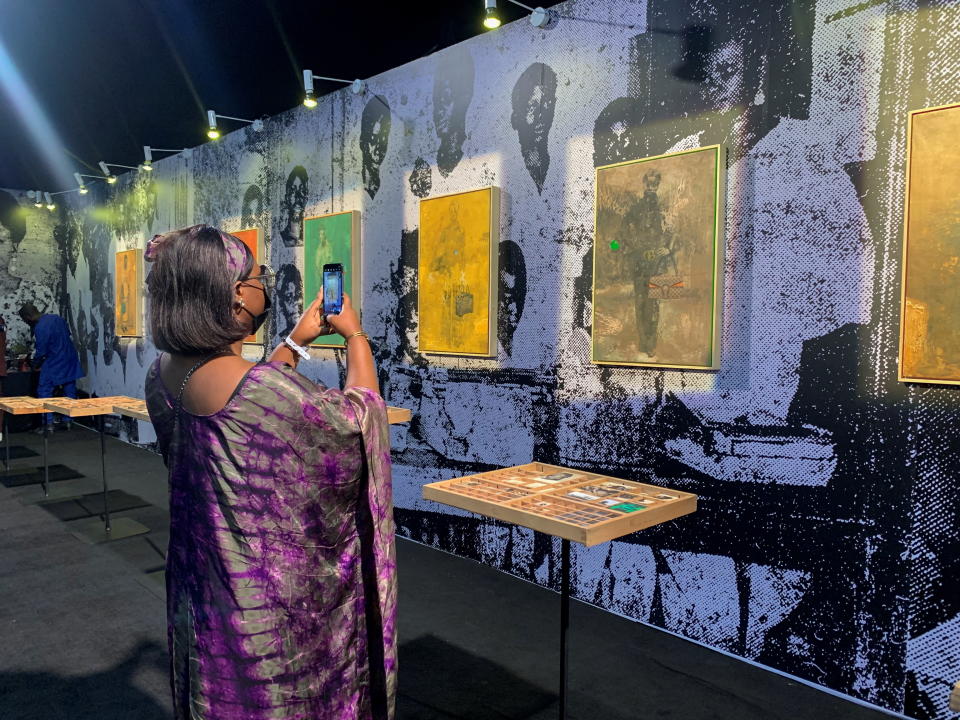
(826, 544)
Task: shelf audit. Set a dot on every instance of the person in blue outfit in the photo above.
(54, 354)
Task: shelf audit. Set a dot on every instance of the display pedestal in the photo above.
(569, 504)
(123, 527)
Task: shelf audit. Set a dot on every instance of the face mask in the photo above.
(259, 320)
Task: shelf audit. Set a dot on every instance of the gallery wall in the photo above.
(30, 262)
(826, 542)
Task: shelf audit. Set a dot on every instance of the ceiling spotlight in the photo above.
(213, 132)
(309, 100)
(50, 205)
(491, 20)
(107, 175)
(37, 198)
(80, 186)
(539, 17)
(148, 153)
(147, 164)
(358, 87)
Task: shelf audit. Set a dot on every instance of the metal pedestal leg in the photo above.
(564, 621)
(6, 440)
(91, 530)
(46, 462)
(103, 473)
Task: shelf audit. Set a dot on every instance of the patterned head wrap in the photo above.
(237, 253)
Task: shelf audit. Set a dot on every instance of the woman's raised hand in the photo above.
(347, 322)
(313, 324)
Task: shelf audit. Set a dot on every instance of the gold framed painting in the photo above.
(930, 286)
(457, 273)
(658, 260)
(128, 289)
(332, 238)
(253, 239)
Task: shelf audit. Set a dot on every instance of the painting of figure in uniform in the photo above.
(656, 261)
(458, 258)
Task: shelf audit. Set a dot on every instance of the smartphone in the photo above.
(332, 288)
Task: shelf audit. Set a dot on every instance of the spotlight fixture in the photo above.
(491, 20)
(213, 132)
(539, 17)
(37, 198)
(147, 163)
(149, 151)
(81, 188)
(359, 87)
(107, 175)
(50, 205)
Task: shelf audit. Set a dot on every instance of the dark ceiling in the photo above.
(114, 75)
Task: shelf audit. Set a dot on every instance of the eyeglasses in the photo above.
(267, 277)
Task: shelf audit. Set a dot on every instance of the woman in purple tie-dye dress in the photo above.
(281, 585)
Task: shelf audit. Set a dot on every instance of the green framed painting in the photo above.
(657, 261)
(333, 238)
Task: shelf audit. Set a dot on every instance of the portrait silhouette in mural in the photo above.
(13, 228)
(534, 99)
(617, 133)
(293, 207)
(374, 136)
(452, 93)
(289, 298)
(421, 178)
(251, 208)
(513, 292)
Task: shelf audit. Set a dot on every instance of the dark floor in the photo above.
(84, 628)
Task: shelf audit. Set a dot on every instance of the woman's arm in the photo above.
(361, 371)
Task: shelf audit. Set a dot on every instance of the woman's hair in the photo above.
(191, 287)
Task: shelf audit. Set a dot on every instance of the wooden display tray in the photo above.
(537, 496)
(132, 407)
(83, 408)
(397, 415)
(24, 405)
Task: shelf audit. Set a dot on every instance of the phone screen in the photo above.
(332, 289)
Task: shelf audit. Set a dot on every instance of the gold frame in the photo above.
(261, 253)
(494, 274)
(906, 240)
(719, 237)
(356, 260)
(138, 283)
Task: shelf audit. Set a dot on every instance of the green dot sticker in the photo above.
(628, 507)
(614, 245)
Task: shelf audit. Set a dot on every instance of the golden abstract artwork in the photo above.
(459, 236)
(930, 302)
(128, 301)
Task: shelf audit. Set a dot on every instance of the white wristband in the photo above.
(298, 349)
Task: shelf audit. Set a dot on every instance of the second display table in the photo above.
(569, 504)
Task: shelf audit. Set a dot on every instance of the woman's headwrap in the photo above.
(236, 250)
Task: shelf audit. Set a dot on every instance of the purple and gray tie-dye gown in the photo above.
(281, 579)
